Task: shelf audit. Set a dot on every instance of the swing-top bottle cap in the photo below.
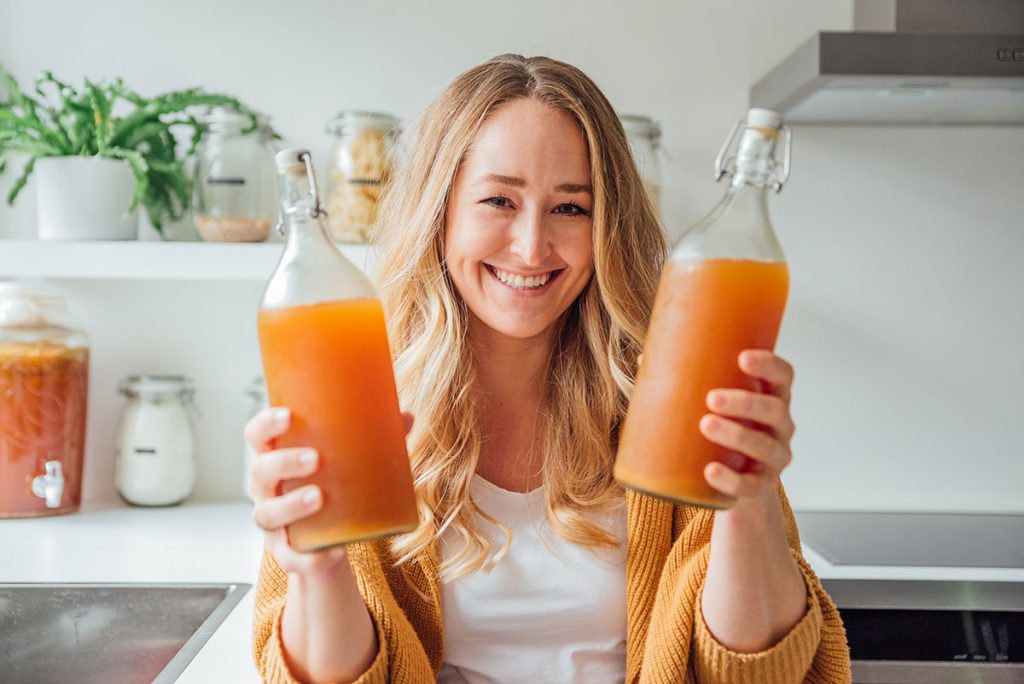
(764, 118)
(290, 157)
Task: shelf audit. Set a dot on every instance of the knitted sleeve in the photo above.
(680, 647)
(400, 656)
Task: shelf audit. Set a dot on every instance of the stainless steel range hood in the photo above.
(921, 62)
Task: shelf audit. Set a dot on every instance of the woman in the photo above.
(520, 259)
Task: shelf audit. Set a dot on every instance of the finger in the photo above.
(275, 512)
(265, 426)
(760, 446)
(764, 409)
(271, 467)
(407, 421)
(737, 485)
(774, 371)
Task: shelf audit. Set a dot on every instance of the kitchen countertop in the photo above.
(114, 542)
(217, 542)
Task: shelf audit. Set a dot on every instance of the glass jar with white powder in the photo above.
(156, 464)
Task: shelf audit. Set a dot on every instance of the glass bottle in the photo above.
(722, 290)
(644, 135)
(44, 388)
(156, 459)
(360, 164)
(326, 358)
(228, 186)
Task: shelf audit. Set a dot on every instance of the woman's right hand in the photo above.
(272, 510)
(326, 628)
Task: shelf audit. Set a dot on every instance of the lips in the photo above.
(524, 282)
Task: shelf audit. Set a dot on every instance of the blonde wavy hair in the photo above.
(597, 340)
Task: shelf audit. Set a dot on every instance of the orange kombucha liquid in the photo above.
(706, 312)
(330, 364)
(43, 398)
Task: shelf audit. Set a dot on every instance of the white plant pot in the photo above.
(85, 198)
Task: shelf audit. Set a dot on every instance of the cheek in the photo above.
(470, 240)
(579, 251)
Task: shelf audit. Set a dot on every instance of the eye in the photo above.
(571, 209)
(498, 202)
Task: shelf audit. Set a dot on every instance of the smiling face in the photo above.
(518, 243)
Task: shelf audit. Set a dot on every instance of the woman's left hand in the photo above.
(755, 424)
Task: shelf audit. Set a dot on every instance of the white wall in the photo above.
(905, 322)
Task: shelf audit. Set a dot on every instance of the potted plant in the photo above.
(101, 151)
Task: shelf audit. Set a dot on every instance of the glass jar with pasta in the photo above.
(360, 165)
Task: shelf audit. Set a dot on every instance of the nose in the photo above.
(530, 240)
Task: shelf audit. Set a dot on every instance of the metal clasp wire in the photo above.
(787, 151)
(725, 163)
(317, 210)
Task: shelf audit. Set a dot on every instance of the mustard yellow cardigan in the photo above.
(667, 640)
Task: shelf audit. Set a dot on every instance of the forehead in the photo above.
(527, 137)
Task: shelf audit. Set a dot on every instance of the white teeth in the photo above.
(520, 282)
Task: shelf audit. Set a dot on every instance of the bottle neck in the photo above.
(301, 215)
(302, 232)
(747, 195)
(755, 159)
(739, 227)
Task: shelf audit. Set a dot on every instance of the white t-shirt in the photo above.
(549, 611)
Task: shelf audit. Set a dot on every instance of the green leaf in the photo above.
(101, 109)
(11, 121)
(128, 94)
(21, 181)
(145, 132)
(18, 98)
(48, 77)
(78, 130)
(34, 148)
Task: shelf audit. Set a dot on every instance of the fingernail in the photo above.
(310, 496)
(710, 423)
(281, 416)
(716, 399)
(307, 457)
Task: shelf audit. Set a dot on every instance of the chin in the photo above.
(518, 330)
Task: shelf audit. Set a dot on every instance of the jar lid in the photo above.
(349, 119)
(641, 125)
(223, 118)
(156, 386)
(24, 305)
(763, 118)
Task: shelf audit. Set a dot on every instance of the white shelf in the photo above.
(149, 260)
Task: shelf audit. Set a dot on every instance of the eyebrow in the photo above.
(515, 182)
